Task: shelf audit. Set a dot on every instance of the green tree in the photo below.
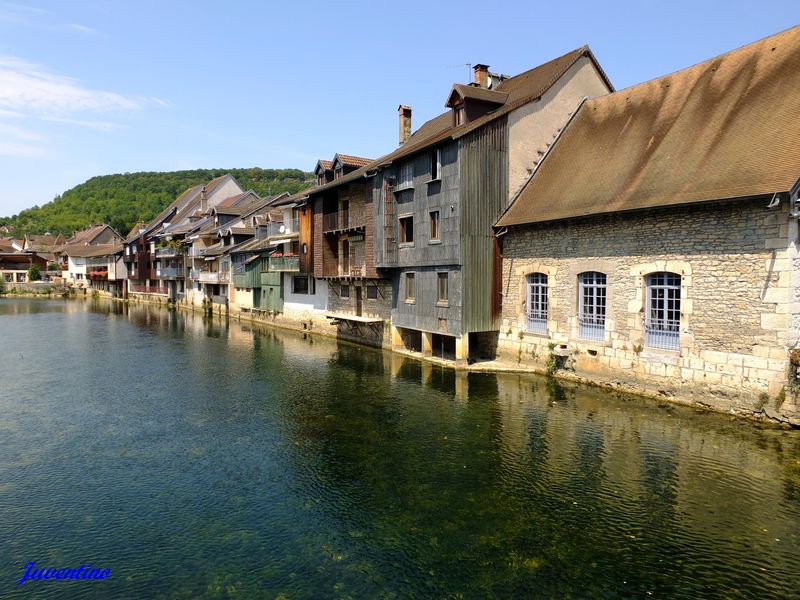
(33, 273)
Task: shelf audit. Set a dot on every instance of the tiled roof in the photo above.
(84, 251)
(351, 161)
(725, 128)
(477, 93)
(521, 89)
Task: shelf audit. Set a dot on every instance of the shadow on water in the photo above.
(249, 461)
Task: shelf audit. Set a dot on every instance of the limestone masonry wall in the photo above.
(739, 301)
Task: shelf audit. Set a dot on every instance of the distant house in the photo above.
(656, 243)
(87, 251)
(143, 258)
(14, 266)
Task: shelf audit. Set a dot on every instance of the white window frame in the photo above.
(592, 305)
(662, 315)
(537, 302)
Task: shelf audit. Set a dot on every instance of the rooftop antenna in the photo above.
(469, 69)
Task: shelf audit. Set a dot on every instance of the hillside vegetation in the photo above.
(123, 200)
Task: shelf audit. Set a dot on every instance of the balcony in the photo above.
(341, 221)
(170, 273)
(209, 277)
(206, 277)
(284, 263)
(168, 252)
(279, 228)
(98, 275)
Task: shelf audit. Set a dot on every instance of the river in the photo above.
(200, 458)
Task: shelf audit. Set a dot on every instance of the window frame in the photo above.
(436, 165)
(592, 287)
(372, 292)
(410, 287)
(405, 176)
(435, 227)
(662, 310)
(537, 302)
(344, 290)
(295, 279)
(442, 276)
(404, 229)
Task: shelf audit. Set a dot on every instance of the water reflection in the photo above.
(252, 461)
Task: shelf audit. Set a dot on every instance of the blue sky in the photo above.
(96, 87)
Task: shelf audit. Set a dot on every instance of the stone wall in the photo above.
(738, 303)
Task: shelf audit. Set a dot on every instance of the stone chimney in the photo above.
(481, 75)
(203, 200)
(405, 122)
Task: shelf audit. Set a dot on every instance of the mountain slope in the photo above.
(125, 199)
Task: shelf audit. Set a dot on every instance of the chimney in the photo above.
(405, 122)
(481, 75)
(203, 200)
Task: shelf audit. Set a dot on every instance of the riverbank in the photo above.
(777, 411)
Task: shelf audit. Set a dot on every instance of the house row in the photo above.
(644, 237)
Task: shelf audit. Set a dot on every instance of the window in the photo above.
(435, 226)
(592, 305)
(460, 115)
(300, 285)
(441, 288)
(537, 303)
(662, 317)
(436, 165)
(372, 292)
(406, 178)
(407, 229)
(345, 291)
(410, 288)
(338, 172)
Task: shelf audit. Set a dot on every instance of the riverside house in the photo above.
(437, 196)
(144, 260)
(87, 252)
(655, 245)
(283, 245)
(182, 244)
(359, 298)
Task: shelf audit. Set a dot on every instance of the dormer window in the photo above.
(338, 172)
(460, 115)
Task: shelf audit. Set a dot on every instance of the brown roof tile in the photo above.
(725, 128)
(352, 161)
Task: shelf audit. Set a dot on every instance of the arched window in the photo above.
(537, 303)
(662, 318)
(592, 305)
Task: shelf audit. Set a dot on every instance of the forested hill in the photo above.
(123, 200)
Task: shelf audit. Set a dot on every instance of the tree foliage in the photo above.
(33, 273)
(126, 199)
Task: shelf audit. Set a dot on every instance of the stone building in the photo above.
(655, 245)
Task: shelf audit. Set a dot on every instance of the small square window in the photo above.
(435, 233)
(410, 287)
(407, 230)
(300, 285)
(372, 292)
(441, 288)
(345, 291)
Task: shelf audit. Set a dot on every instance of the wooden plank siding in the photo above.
(483, 162)
(306, 240)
